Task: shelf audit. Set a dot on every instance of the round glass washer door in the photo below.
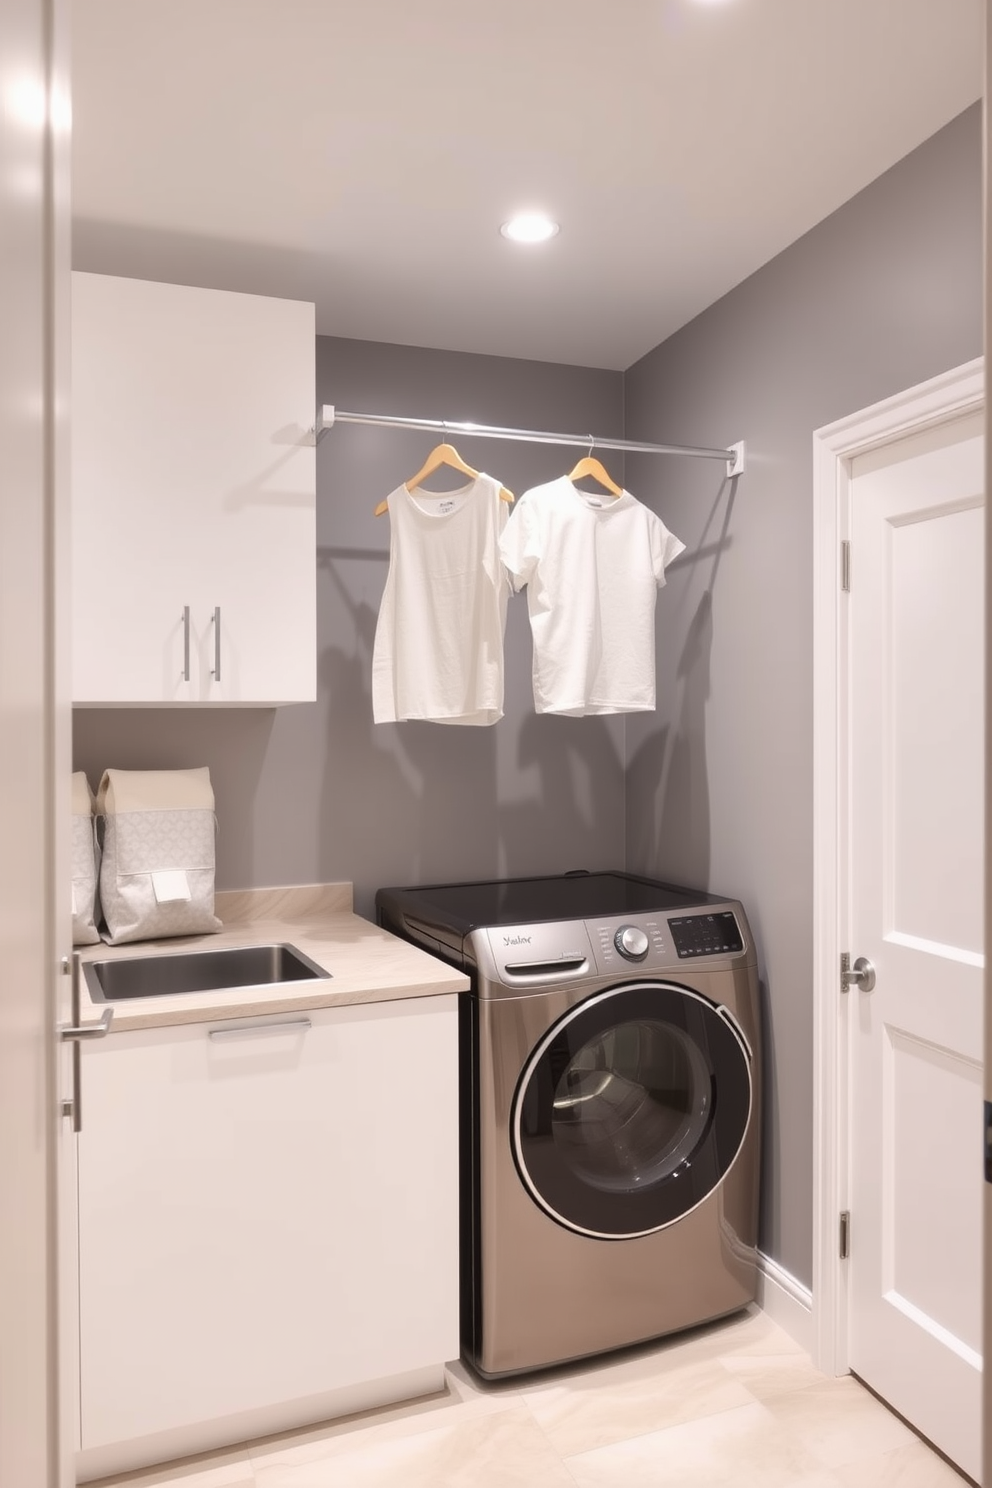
(632, 1109)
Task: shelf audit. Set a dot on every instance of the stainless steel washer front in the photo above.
(611, 1088)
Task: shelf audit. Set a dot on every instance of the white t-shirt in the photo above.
(438, 650)
(593, 566)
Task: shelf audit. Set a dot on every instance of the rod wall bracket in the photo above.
(323, 421)
(737, 461)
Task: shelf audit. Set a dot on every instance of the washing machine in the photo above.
(611, 1090)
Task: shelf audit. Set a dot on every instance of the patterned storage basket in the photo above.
(157, 873)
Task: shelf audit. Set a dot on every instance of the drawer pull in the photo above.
(256, 1030)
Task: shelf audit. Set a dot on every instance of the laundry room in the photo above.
(751, 329)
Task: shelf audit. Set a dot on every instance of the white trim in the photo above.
(787, 1301)
(834, 447)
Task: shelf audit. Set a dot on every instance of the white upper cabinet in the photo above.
(193, 496)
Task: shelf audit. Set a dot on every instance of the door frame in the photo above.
(835, 446)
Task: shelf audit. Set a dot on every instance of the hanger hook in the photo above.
(592, 445)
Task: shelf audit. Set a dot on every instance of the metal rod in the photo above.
(330, 415)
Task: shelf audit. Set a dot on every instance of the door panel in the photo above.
(916, 876)
(934, 869)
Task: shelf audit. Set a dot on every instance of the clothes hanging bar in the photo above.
(329, 415)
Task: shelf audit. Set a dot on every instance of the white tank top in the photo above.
(438, 651)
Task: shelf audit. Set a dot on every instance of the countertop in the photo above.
(367, 964)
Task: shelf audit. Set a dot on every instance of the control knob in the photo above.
(631, 942)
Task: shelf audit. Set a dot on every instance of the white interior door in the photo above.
(916, 894)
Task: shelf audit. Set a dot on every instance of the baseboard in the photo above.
(787, 1301)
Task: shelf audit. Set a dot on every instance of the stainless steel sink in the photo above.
(170, 973)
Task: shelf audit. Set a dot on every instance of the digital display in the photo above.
(706, 934)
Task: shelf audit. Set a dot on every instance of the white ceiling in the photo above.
(363, 153)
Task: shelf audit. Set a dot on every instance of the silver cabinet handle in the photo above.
(256, 1030)
(185, 643)
(217, 644)
(75, 1032)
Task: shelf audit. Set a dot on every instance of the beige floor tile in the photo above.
(501, 1449)
(767, 1375)
(752, 1334)
(912, 1466)
(590, 1411)
(743, 1447)
(839, 1421)
(462, 1404)
(220, 1470)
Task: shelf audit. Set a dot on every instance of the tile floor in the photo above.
(735, 1403)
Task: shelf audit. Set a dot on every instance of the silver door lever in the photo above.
(861, 974)
(74, 1032)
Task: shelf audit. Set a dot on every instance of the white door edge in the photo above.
(834, 447)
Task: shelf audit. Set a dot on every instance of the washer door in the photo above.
(632, 1109)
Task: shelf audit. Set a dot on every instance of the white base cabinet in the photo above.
(264, 1221)
(193, 496)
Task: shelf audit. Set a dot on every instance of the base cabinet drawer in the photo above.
(265, 1219)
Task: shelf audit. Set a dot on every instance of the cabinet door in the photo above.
(265, 1219)
(193, 485)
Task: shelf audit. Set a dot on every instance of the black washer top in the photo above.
(572, 896)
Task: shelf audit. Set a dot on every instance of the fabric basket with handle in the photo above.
(85, 864)
(157, 873)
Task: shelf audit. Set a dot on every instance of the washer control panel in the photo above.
(705, 934)
(638, 939)
(631, 942)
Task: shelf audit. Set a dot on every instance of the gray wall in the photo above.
(313, 793)
(883, 294)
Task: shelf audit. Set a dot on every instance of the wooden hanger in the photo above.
(590, 466)
(442, 454)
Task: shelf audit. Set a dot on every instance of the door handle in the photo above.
(861, 974)
(74, 1033)
(89, 1030)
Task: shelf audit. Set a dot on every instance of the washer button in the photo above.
(631, 942)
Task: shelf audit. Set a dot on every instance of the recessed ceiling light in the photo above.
(529, 227)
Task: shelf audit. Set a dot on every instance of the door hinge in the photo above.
(845, 1234)
(845, 567)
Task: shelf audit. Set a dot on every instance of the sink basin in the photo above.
(167, 974)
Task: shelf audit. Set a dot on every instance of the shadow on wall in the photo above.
(566, 762)
(668, 773)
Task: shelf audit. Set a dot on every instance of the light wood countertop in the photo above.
(367, 964)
